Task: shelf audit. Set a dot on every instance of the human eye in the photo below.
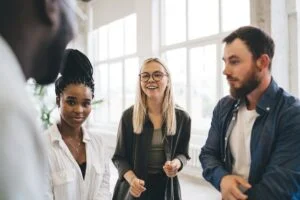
(86, 104)
(71, 102)
(234, 61)
(158, 75)
(145, 76)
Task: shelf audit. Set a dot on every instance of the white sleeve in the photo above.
(22, 155)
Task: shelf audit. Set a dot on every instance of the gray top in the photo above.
(157, 156)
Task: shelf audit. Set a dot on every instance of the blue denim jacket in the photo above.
(275, 146)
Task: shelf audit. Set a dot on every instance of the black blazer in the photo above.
(132, 149)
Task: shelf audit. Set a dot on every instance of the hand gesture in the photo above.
(232, 187)
(171, 167)
(136, 187)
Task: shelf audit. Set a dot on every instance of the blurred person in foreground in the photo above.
(252, 150)
(33, 37)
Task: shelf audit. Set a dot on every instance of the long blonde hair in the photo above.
(168, 105)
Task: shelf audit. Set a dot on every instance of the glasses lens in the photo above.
(145, 76)
(157, 76)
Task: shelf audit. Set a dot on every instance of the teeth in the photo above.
(151, 87)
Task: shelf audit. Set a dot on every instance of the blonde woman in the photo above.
(153, 139)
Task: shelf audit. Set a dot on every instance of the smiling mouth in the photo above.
(152, 87)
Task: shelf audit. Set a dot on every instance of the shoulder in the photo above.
(180, 112)
(290, 105)
(128, 112)
(226, 101)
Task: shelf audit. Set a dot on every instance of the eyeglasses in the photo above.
(156, 76)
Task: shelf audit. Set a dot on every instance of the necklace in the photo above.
(73, 143)
(75, 146)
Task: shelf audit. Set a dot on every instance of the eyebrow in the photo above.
(231, 57)
(153, 72)
(74, 98)
(71, 97)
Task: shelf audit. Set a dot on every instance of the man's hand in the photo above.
(171, 167)
(231, 186)
(136, 187)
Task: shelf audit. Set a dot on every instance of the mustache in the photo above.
(231, 78)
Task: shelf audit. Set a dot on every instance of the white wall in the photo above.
(280, 34)
(106, 11)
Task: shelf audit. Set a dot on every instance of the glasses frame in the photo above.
(151, 75)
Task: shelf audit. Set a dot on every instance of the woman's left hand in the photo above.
(171, 167)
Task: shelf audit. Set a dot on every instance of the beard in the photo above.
(49, 57)
(249, 84)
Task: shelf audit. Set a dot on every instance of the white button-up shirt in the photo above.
(22, 153)
(65, 175)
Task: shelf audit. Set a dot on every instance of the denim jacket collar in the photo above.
(268, 99)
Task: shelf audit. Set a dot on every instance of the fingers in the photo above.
(232, 187)
(137, 187)
(170, 171)
(171, 168)
(243, 183)
(238, 194)
(230, 197)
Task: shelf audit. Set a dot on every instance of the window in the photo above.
(113, 52)
(192, 33)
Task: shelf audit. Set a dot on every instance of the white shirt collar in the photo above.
(55, 135)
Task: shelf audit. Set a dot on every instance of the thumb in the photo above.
(141, 182)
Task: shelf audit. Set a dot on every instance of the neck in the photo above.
(255, 95)
(68, 131)
(154, 107)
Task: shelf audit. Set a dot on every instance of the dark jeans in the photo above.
(156, 186)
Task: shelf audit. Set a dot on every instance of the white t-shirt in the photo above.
(240, 141)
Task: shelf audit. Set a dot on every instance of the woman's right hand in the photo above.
(137, 187)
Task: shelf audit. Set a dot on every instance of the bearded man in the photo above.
(252, 150)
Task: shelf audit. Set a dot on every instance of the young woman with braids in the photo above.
(153, 139)
(78, 164)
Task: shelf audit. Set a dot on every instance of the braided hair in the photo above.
(76, 69)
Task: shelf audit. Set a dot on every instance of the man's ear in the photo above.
(263, 61)
(57, 101)
(50, 11)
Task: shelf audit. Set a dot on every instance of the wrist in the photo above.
(178, 163)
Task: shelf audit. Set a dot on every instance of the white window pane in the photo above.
(115, 92)
(176, 61)
(236, 13)
(93, 46)
(203, 18)
(203, 85)
(101, 92)
(103, 45)
(131, 79)
(116, 39)
(130, 34)
(175, 21)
